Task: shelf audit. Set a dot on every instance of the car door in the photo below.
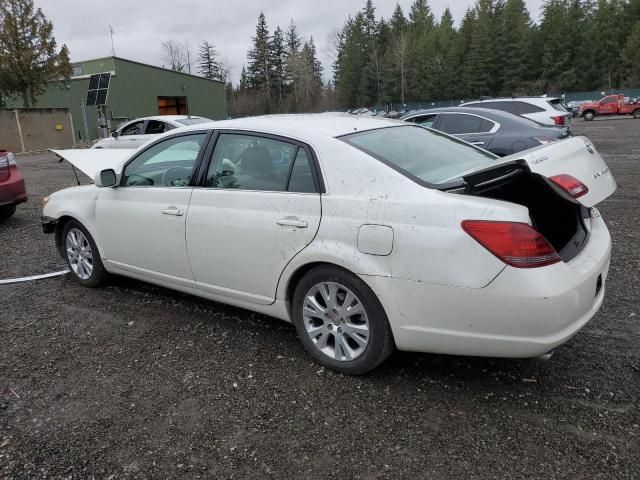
(474, 129)
(257, 207)
(130, 135)
(141, 223)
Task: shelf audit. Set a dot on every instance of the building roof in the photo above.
(120, 59)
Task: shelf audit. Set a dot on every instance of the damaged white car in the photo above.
(366, 234)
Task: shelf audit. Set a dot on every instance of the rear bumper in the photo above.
(13, 190)
(522, 313)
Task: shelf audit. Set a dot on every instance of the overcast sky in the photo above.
(140, 27)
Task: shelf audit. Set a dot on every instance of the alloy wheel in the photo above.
(336, 321)
(79, 254)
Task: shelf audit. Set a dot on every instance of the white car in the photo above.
(545, 110)
(137, 132)
(367, 234)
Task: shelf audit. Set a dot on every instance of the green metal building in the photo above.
(135, 90)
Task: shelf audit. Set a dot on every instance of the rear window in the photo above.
(193, 121)
(423, 155)
(557, 105)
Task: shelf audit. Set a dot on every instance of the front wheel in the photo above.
(589, 116)
(340, 321)
(82, 255)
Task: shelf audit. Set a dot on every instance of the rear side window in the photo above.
(424, 120)
(524, 108)
(460, 123)
(249, 162)
(502, 106)
(423, 155)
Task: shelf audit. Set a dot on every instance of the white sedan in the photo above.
(132, 134)
(366, 234)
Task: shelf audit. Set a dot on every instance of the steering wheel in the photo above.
(174, 174)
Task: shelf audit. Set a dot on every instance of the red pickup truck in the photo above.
(610, 105)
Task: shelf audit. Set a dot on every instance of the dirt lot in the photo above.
(133, 381)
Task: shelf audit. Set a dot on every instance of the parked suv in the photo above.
(545, 110)
(12, 189)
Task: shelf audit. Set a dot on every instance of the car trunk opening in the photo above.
(560, 220)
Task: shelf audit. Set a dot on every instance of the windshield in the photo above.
(193, 121)
(421, 154)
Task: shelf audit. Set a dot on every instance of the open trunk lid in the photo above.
(92, 161)
(575, 156)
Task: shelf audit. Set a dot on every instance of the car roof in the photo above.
(495, 115)
(164, 118)
(534, 100)
(303, 125)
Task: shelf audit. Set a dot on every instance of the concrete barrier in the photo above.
(32, 129)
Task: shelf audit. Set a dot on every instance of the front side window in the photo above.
(248, 162)
(460, 123)
(166, 164)
(135, 128)
(609, 100)
(421, 154)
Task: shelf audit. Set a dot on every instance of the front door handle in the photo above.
(292, 222)
(477, 143)
(173, 211)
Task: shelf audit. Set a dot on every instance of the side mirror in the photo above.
(115, 134)
(106, 179)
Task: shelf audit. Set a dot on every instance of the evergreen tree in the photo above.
(515, 47)
(421, 26)
(631, 58)
(28, 54)
(277, 58)
(209, 66)
(260, 68)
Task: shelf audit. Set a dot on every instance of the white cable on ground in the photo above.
(32, 278)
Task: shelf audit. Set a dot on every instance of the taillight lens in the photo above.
(574, 187)
(516, 244)
(12, 159)
(560, 120)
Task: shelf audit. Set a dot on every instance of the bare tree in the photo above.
(175, 55)
(400, 51)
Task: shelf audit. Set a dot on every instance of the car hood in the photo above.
(92, 161)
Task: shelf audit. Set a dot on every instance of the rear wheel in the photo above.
(82, 256)
(636, 113)
(588, 116)
(7, 211)
(340, 321)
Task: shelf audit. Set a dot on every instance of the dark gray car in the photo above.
(499, 132)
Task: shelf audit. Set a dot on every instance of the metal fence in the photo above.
(454, 102)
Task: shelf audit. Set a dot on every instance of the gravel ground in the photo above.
(134, 381)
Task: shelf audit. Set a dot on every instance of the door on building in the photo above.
(173, 106)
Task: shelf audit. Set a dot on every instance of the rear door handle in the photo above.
(173, 211)
(477, 143)
(292, 222)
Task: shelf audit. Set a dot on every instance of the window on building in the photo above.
(173, 106)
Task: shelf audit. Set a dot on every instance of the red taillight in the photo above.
(574, 187)
(559, 120)
(516, 244)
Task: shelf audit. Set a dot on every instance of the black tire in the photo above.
(589, 116)
(636, 113)
(7, 211)
(98, 274)
(380, 340)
